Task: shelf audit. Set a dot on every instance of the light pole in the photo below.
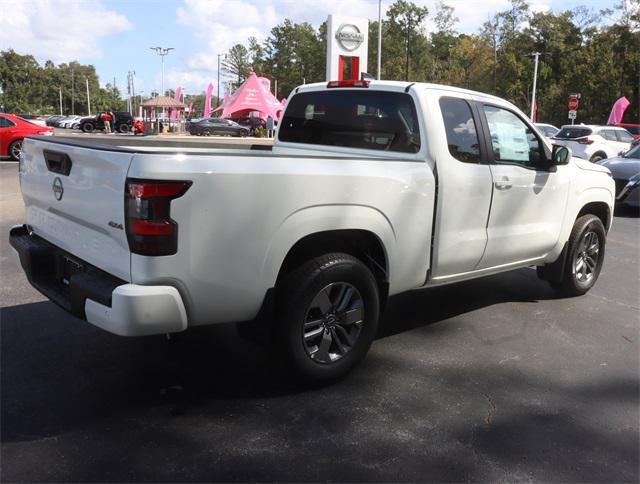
(73, 94)
(88, 99)
(406, 69)
(535, 80)
(162, 52)
(218, 96)
(60, 91)
(379, 37)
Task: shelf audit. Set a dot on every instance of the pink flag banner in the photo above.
(174, 112)
(618, 110)
(190, 109)
(207, 101)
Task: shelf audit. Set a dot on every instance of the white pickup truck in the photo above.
(372, 188)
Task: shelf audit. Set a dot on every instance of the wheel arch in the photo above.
(600, 210)
(361, 231)
(361, 244)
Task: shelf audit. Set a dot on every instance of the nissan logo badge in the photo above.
(58, 190)
(349, 37)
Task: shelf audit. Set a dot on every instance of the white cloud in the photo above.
(193, 82)
(59, 30)
(219, 24)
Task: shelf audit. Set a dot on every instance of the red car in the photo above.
(13, 130)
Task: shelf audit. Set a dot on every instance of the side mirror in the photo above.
(560, 155)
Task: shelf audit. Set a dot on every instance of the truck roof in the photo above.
(402, 86)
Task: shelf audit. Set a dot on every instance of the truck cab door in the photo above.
(529, 194)
(464, 188)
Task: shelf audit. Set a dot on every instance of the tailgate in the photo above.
(74, 198)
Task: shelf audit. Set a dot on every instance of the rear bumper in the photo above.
(91, 294)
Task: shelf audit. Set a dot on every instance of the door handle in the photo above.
(503, 183)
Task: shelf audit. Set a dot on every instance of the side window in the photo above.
(609, 135)
(513, 141)
(462, 137)
(5, 123)
(624, 136)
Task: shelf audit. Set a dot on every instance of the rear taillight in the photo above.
(348, 83)
(150, 229)
(584, 141)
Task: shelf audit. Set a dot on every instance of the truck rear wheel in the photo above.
(327, 316)
(584, 258)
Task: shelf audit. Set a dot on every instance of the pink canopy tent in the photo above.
(253, 95)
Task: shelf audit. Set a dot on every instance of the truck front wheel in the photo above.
(327, 316)
(584, 257)
(87, 128)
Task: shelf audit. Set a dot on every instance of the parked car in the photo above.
(122, 122)
(32, 118)
(634, 129)
(594, 143)
(217, 126)
(13, 130)
(625, 170)
(69, 121)
(52, 120)
(549, 130)
(372, 188)
(74, 122)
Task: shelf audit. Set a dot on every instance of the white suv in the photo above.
(594, 143)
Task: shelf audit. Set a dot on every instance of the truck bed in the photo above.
(150, 144)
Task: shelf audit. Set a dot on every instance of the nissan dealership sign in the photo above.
(347, 39)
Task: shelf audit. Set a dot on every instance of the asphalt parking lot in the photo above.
(490, 380)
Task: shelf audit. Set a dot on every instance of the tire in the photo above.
(15, 149)
(87, 128)
(597, 157)
(585, 256)
(206, 132)
(124, 128)
(327, 317)
(243, 134)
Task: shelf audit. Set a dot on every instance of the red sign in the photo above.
(573, 103)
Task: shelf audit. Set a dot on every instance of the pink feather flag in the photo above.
(618, 110)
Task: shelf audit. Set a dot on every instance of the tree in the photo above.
(237, 62)
(406, 23)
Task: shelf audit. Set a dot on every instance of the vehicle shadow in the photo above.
(59, 372)
(423, 307)
(626, 211)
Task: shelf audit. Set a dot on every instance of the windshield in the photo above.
(633, 153)
(360, 118)
(571, 133)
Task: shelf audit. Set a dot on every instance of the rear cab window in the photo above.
(462, 135)
(353, 118)
(573, 133)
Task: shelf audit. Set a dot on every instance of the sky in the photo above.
(116, 35)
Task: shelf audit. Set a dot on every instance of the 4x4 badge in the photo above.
(58, 190)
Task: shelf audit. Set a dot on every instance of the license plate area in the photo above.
(70, 267)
